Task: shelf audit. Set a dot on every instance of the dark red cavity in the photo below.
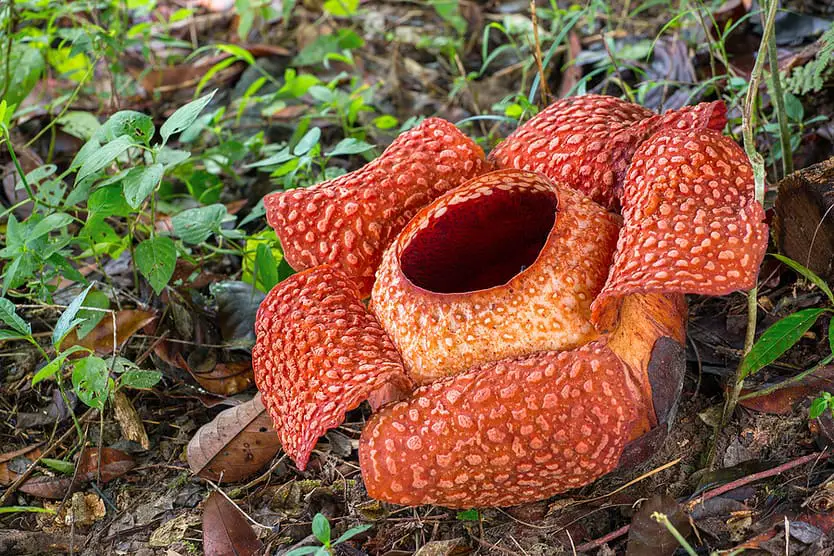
(482, 242)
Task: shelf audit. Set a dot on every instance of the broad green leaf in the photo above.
(385, 122)
(468, 515)
(52, 222)
(197, 224)
(831, 334)
(140, 378)
(9, 316)
(778, 339)
(341, 8)
(321, 528)
(350, 145)
(818, 406)
(266, 268)
(306, 143)
(25, 64)
(280, 157)
(91, 381)
(95, 300)
(352, 532)
(808, 274)
(171, 157)
(136, 125)
(82, 125)
(184, 116)
(103, 157)
(51, 369)
(84, 153)
(108, 201)
(6, 334)
(140, 182)
(156, 259)
(67, 320)
(59, 465)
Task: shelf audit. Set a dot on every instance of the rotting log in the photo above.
(803, 224)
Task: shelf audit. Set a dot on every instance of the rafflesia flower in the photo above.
(516, 303)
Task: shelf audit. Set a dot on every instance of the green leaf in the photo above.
(341, 8)
(280, 157)
(136, 125)
(91, 381)
(59, 465)
(156, 259)
(303, 551)
(385, 122)
(82, 125)
(468, 515)
(140, 378)
(9, 316)
(778, 339)
(26, 64)
(6, 334)
(306, 143)
(350, 145)
(108, 201)
(352, 532)
(67, 320)
(197, 224)
(34, 509)
(831, 335)
(818, 406)
(140, 182)
(52, 222)
(321, 528)
(95, 300)
(808, 274)
(103, 156)
(266, 268)
(184, 116)
(793, 108)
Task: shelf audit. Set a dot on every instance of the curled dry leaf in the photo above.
(239, 442)
(782, 401)
(100, 338)
(8, 470)
(648, 537)
(131, 424)
(225, 529)
(221, 378)
(114, 464)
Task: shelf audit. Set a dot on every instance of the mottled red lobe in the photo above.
(692, 224)
(319, 354)
(506, 433)
(348, 221)
(587, 142)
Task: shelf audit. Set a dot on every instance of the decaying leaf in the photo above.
(173, 530)
(782, 401)
(100, 338)
(239, 442)
(10, 469)
(648, 537)
(225, 529)
(219, 378)
(114, 464)
(129, 420)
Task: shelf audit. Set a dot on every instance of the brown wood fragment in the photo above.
(803, 224)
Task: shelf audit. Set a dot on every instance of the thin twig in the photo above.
(537, 48)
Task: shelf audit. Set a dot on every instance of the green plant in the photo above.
(321, 530)
(810, 77)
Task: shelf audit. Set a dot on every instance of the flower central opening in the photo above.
(481, 242)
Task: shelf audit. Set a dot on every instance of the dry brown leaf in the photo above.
(238, 443)
(225, 529)
(129, 420)
(8, 476)
(100, 338)
(782, 401)
(222, 378)
(52, 488)
(114, 464)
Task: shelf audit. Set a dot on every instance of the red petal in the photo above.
(348, 221)
(504, 266)
(511, 432)
(587, 142)
(319, 354)
(692, 224)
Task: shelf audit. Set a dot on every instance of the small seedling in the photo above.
(321, 530)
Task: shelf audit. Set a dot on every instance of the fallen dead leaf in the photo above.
(220, 378)
(238, 443)
(114, 464)
(8, 474)
(782, 401)
(49, 487)
(100, 338)
(648, 537)
(172, 530)
(225, 529)
(129, 420)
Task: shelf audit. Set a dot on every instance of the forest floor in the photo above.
(127, 466)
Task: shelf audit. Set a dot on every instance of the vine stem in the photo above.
(779, 103)
(757, 162)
